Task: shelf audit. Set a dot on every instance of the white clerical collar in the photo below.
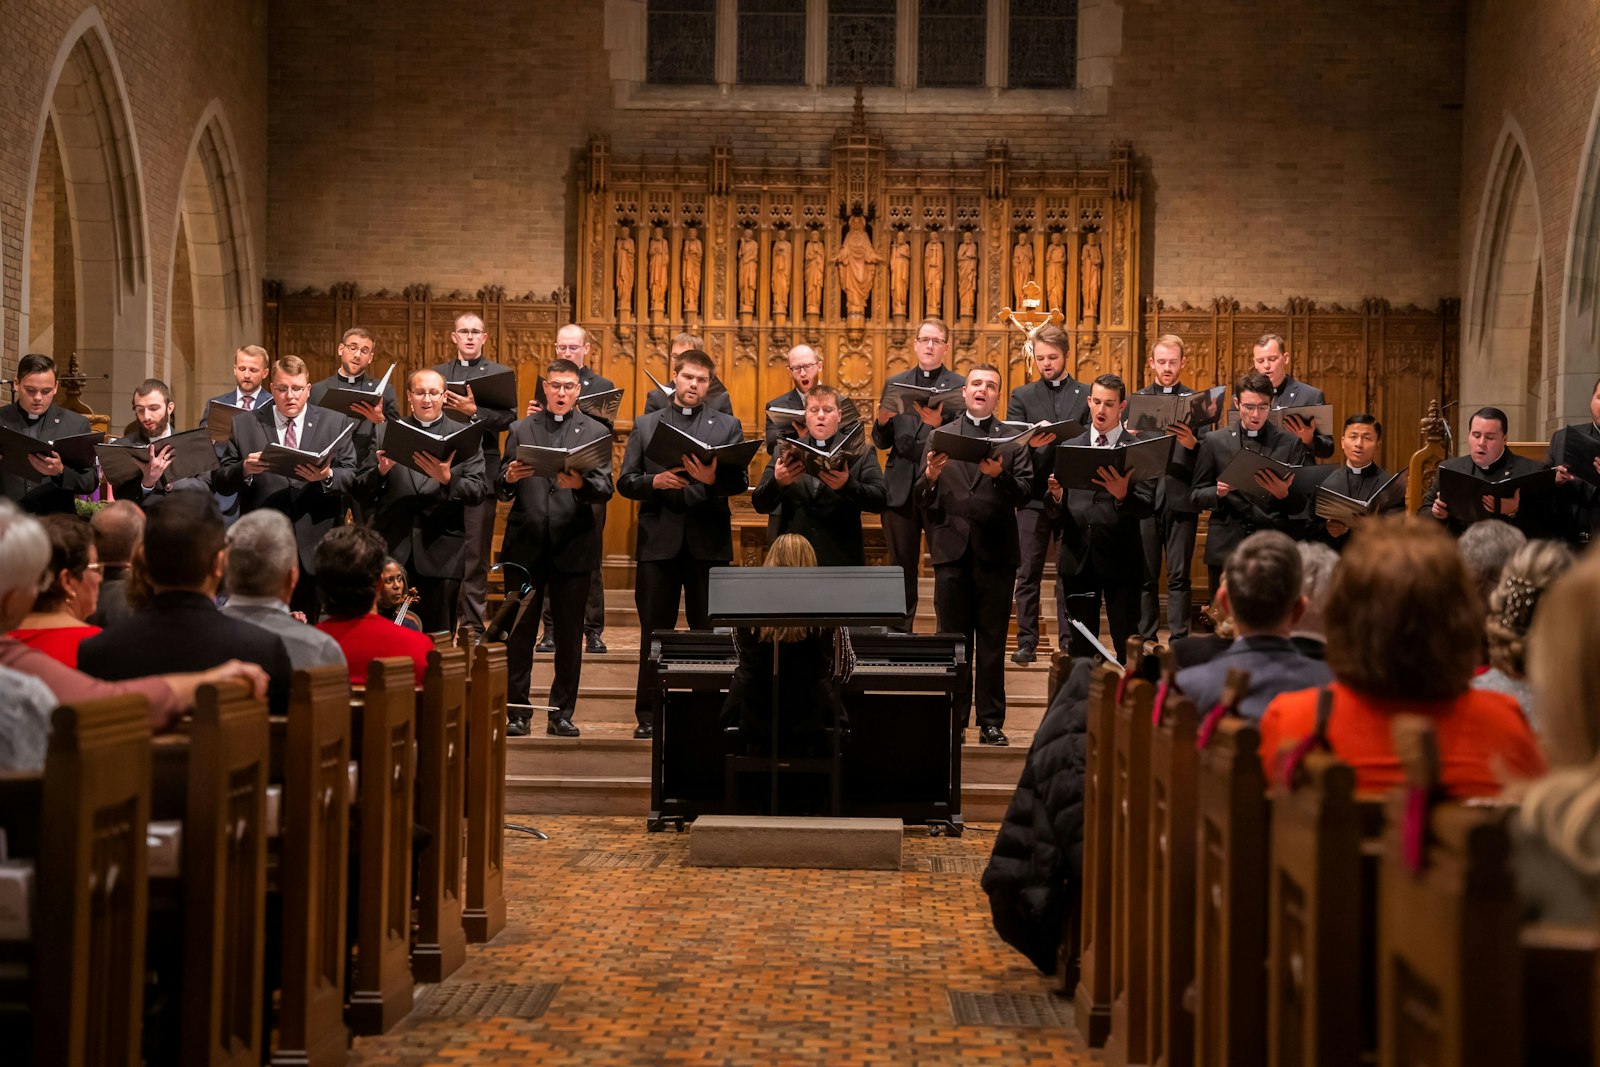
(429, 425)
(1252, 434)
(1056, 383)
(1357, 470)
(976, 421)
(822, 444)
(348, 379)
(1169, 389)
(686, 411)
(558, 418)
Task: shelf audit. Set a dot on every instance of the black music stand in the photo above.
(803, 596)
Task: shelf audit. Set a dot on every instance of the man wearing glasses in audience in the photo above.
(469, 338)
(355, 355)
(905, 436)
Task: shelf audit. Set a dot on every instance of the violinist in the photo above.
(397, 601)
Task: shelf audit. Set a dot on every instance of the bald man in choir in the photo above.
(1488, 458)
(51, 484)
(823, 506)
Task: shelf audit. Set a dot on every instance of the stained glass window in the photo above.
(1043, 52)
(681, 42)
(950, 43)
(772, 42)
(861, 42)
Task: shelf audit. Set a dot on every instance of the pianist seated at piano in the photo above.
(815, 656)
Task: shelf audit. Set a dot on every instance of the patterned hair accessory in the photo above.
(1518, 599)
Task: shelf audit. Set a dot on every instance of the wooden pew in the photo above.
(1230, 899)
(82, 822)
(381, 983)
(1130, 873)
(440, 946)
(213, 780)
(1092, 996)
(313, 869)
(1169, 965)
(483, 914)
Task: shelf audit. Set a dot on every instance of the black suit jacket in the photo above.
(1101, 531)
(1040, 402)
(560, 528)
(423, 522)
(365, 432)
(1345, 482)
(1534, 517)
(775, 430)
(495, 420)
(656, 400)
(177, 632)
(966, 510)
(1293, 394)
(1172, 492)
(40, 495)
(830, 520)
(314, 509)
(905, 435)
(1235, 517)
(696, 518)
(1575, 512)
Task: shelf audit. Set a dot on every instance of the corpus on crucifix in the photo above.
(1030, 320)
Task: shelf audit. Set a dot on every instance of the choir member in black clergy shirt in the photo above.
(572, 344)
(54, 486)
(423, 516)
(1272, 359)
(655, 399)
(1577, 502)
(1358, 477)
(554, 536)
(355, 356)
(685, 526)
(469, 338)
(249, 393)
(1233, 515)
(971, 512)
(1101, 556)
(904, 436)
(823, 508)
(1056, 397)
(1169, 533)
(1488, 458)
(314, 498)
(152, 411)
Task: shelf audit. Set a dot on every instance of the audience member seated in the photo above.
(56, 624)
(1556, 833)
(263, 567)
(118, 529)
(809, 658)
(180, 628)
(1404, 628)
(1261, 592)
(32, 684)
(1485, 547)
(392, 593)
(1523, 581)
(1317, 563)
(349, 570)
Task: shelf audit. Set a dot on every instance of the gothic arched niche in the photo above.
(1580, 305)
(93, 224)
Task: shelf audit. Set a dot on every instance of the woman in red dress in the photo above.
(56, 624)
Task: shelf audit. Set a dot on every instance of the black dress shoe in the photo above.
(546, 644)
(518, 726)
(592, 643)
(561, 727)
(1023, 654)
(991, 735)
(644, 730)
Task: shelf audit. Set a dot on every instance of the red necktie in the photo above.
(290, 439)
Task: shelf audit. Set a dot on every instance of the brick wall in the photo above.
(1306, 149)
(175, 57)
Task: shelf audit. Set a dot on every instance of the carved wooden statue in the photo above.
(858, 266)
(693, 257)
(782, 263)
(815, 261)
(899, 274)
(933, 275)
(1089, 264)
(1021, 265)
(967, 275)
(658, 270)
(624, 278)
(1055, 272)
(749, 255)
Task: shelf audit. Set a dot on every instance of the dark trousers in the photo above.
(658, 585)
(902, 531)
(1168, 534)
(594, 608)
(564, 592)
(975, 601)
(1084, 593)
(474, 597)
(304, 598)
(1034, 536)
(436, 602)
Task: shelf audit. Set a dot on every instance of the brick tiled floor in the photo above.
(663, 963)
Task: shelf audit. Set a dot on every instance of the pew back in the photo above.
(1092, 998)
(1170, 959)
(484, 911)
(1130, 885)
(441, 943)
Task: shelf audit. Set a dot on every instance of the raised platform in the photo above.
(795, 842)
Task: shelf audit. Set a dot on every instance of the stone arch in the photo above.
(86, 111)
(1503, 346)
(212, 305)
(1579, 359)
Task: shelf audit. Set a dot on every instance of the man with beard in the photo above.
(53, 486)
(249, 393)
(1169, 532)
(152, 410)
(824, 508)
(423, 515)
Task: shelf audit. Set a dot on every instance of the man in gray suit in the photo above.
(263, 567)
(1261, 591)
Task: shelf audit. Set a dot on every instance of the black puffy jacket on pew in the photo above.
(1038, 853)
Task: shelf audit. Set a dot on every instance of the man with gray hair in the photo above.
(1485, 547)
(1261, 591)
(1317, 564)
(263, 567)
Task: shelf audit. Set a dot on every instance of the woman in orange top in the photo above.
(1404, 628)
(56, 624)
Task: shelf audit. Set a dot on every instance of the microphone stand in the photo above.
(498, 630)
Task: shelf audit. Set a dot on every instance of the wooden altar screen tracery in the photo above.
(848, 257)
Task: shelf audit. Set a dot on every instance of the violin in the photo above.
(405, 608)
